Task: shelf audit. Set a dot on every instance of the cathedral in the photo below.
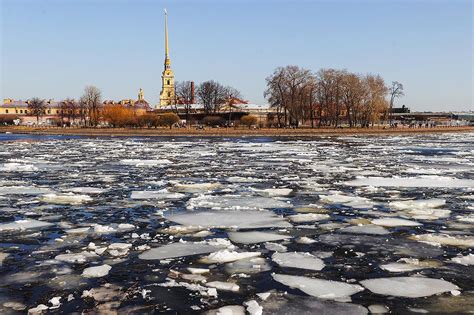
(167, 95)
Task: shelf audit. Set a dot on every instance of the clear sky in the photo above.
(53, 48)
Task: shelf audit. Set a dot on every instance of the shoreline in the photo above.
(223, 132)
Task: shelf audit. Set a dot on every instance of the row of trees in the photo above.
(213, 96)
(328, 97)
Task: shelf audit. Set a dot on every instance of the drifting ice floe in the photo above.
(410, 287)
(237, 202)
(224, 256)
(308, 217)
(365, 229)
(230, 219)
(323, 289)
(443, 239)
(97, 271)
(467, 260)
(391, 222)
(156, 195)
(28, 224)
(145, 163)
(66, 199)
(224, 286)
(79, 258)
(412, 182)
(274, 192)
(255, 237)
(174, 250)
(196, 187)
(298, 260)
(23, 190)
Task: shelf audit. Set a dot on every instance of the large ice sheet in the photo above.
(255, 237)
(230, 219)
(412, 182)
(174, 250)
(298, 260)
(410, 287)
(320, 288)
(28, 224)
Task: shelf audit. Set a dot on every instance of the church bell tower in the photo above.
(167, 95)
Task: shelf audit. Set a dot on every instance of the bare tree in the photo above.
(37, 107)
(231, 96)
(185, 96)
(289, 89)
(92, 101)
(211, 94)
(396, 91)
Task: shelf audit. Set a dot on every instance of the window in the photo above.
(16, 111)
(21, 111)
(6, 111)
(168, 82)
(49, 111)
(169, 94)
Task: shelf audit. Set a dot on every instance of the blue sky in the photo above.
(53, 48)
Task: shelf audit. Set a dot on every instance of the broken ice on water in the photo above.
(344, 225)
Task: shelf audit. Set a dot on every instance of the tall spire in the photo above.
(167, 55)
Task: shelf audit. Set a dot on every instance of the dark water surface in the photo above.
(349, 208)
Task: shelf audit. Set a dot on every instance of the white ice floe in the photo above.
(410, 287)
(230, 219)
(97, 271)
(163, 194)
(401, 267)
(255, 237)
(275, 247)
(236, 202)
(227, 310)
(323, 289)
(346, 200)
(28, 224)
(224, 286)
(17, 167)
(412, 182)
(467, 260)
(225, 255)
(247, 266)
(308, 217)
(203, 291)
(145, 163)
(370, 229)
(66, 199)
(253, 308)
(418, 204)
(298, 260)
(174, 250)
(196, 187)
(273, 192)
(76, 258)
(118, 249)
(23, 190)
(86, 190)
(443, 239)
(305, 240)
(198, 271)
(392, 222)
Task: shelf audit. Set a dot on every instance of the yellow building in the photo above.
(167, 95)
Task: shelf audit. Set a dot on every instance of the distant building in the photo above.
(400, 110)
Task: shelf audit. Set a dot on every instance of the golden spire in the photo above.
(167, 57)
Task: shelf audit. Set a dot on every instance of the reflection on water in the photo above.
(87, 223)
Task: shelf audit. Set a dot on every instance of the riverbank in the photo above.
(228, 132)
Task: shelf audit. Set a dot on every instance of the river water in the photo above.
(330, 225)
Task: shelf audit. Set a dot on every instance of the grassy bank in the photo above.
(227, 132)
